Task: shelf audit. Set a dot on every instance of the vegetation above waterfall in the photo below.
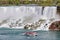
(38, 2)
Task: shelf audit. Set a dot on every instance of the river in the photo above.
(17, 34)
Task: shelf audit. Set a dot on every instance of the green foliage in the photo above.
(40, 2)
(14, 2)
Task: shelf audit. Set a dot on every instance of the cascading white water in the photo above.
(19, 15)
(28, 14)
(48, 13)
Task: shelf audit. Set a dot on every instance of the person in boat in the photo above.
(31, 33)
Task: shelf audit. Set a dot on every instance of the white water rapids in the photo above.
(18, 16)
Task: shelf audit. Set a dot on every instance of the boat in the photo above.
(31, 33)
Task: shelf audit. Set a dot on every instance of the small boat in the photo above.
(31, 33)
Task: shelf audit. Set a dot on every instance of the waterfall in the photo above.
(28, 14)
(48, 13)
(22, 15)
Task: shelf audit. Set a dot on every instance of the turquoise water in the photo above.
(17, 34)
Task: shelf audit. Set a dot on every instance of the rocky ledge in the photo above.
(55, 25)
(35, 25)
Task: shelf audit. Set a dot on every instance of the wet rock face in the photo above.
(55, 25)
